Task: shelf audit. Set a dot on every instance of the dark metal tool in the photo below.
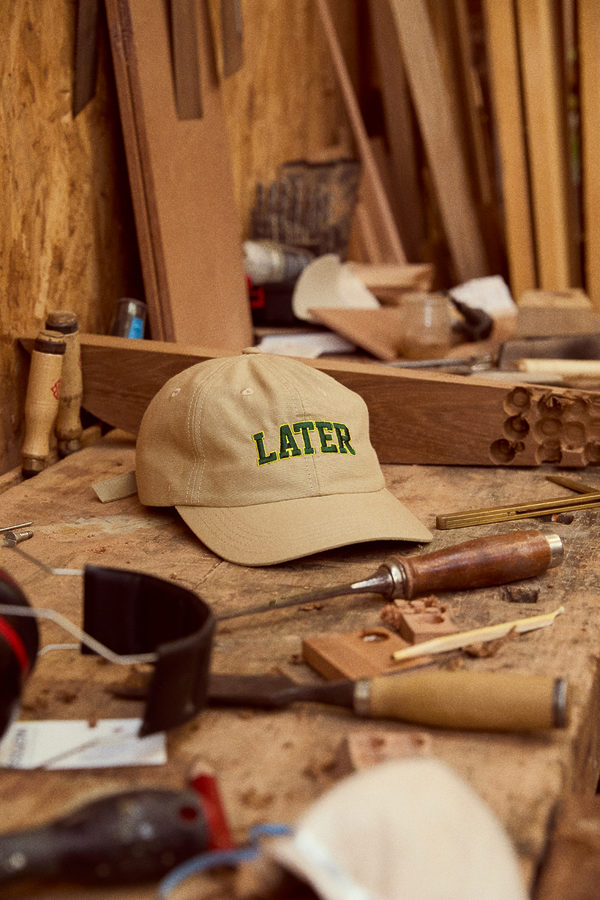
(490, 701)
(123, 838)
(481, 562)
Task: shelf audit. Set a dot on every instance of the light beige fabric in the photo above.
(267, 459)
(410, 829)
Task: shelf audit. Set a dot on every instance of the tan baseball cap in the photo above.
(267, 459)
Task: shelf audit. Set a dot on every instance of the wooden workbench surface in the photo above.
(272, 765)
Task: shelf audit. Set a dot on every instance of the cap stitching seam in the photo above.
(194, 435)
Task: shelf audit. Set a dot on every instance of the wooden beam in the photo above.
(439, 130)
(372, 192)
(589, 69)
(414, 417)
(186, 65)
(400, 130)
(182, 184)
(505, 84)
(545, 108)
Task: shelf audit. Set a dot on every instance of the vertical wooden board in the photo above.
(399, 129)
(187, 182)
(439, 130)
(372, 192)
(589, 69)
(547, 143)
(502, 48)
(125, 74)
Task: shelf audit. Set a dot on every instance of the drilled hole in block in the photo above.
(517, 401)
(592, 451)
(573, 436)
(549, 452)
(375, 635)
(502, 451)
(516, 427)
(547, 427)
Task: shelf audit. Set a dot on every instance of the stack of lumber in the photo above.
(490, 119)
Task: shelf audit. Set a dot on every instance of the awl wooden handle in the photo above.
(41, 400)
(489, 701)
(68, 421)
(481, 562)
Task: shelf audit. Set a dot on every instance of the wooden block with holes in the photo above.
(420, 620)
(356, 654)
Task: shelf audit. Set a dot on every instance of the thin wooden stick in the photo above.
(373, 191)
(476, 636)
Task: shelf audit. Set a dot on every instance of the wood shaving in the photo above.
(490, 648)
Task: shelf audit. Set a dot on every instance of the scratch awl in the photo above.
(482, 562)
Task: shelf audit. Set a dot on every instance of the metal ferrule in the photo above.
(559, 703)
(362, 697)
(557, 550)
(397, 587)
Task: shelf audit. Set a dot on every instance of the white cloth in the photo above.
(409, 829)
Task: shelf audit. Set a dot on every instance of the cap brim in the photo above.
(270, 533)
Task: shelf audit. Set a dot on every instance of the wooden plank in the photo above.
(439, 129)
(545, 110)
(372, 192)
(589, 72)
(186, 208)
(378, 331)
(479, 137)
(400, 130)
(414, 417)
(232, 36)
(86, 54)
(505, 85)
(126, 83)
(186, 65)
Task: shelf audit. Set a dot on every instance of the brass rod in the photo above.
(517, 511)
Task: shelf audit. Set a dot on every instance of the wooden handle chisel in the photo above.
(488, 701)
(482, 562)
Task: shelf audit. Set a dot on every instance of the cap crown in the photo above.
(250, 429)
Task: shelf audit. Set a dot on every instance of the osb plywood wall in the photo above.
(65, 230)
(67, 235)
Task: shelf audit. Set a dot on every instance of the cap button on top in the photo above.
(252, 350)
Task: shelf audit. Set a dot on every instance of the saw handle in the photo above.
(489, 701)
(481, 562)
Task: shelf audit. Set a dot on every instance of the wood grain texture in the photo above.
(284, 103)
(439, 128)
(67, 239)
(372, 192)
(184, 56)
(272, 766)
(545, 109)
(182, 184)
(589, 62)
(503, 54)
(414, 417)
(400, 131)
